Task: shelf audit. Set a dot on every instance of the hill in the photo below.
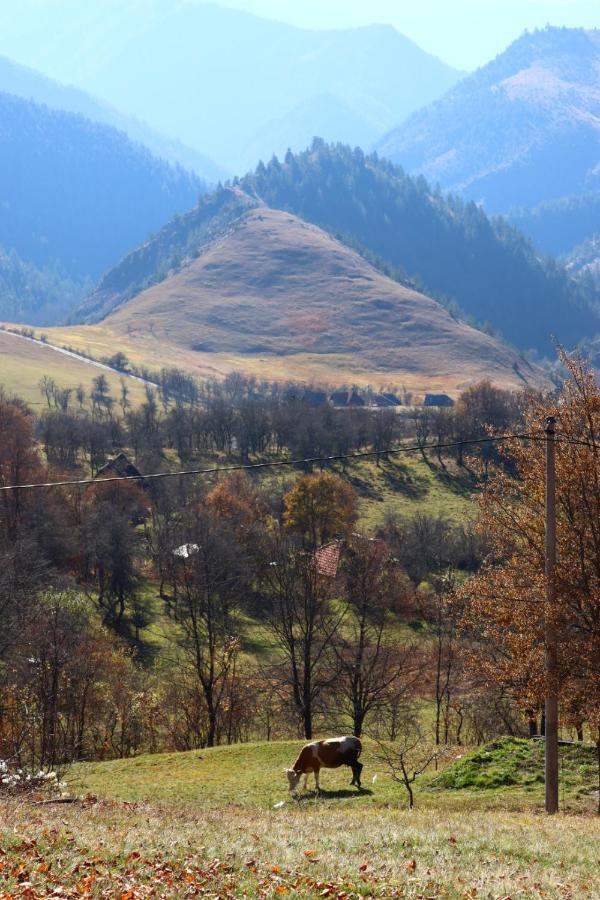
(483, 269)
(36, 295)
(274, 286)
(77, 194)
(561, 225)
(31, 85)
(232, 74)
(520, 131)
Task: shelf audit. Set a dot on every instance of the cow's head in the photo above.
(293, 778)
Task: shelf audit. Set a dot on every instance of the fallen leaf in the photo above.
(411, 866)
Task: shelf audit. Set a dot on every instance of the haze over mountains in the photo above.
(81, 199)
(522, 130)
(75, 196)
(31, 85)
(224, 82)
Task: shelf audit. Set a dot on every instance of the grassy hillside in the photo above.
(507, 774)
(313, 850)
(23, 364)
(210, 823)
(484, 270)
(275, 289)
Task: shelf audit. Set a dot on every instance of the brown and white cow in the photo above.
(329, 754)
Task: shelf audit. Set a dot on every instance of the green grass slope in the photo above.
(204, 824)
(506, 774)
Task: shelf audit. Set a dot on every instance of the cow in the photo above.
(329, 754)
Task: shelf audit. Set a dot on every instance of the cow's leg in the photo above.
(305, 780)
(356, 770)
(317, 780)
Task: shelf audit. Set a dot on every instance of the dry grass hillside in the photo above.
(23, 363)
(281, 292)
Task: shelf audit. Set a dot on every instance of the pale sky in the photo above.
(465, 33)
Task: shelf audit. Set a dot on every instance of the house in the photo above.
(327, 559)
(119, 467)
(132, 501)
(438, 400)
(384, 400)
(346, 398)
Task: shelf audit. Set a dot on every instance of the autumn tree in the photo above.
(320, 507)
(374, 666)
(505, 607)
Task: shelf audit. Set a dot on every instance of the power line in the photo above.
(281, 463)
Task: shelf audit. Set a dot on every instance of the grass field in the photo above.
(209, 823)
(24, 363)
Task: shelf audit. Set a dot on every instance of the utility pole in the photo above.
(550, 636)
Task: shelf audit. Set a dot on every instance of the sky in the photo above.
(464, 33)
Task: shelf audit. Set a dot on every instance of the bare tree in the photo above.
(210, 578)
(301, 616)
(409, 757)
(373, 665)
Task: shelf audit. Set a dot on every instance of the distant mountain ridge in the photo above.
(31, 85)
(76, 195)
(38, 296)
(438, 245)
(558, 227)
(521, 131)
(218, 78)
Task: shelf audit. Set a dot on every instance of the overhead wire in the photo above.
(280, 463)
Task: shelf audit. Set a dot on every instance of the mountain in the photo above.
(31, 85)
(217, 78)
(273, 286)
(585, 259)
(558, 227)
(482, 269)
(522, 130)
(36, 296)
(449, 248)
(77, 195)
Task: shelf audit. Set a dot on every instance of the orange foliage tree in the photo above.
(320, 506)
(505, 603)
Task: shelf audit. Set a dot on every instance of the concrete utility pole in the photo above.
(551, 642)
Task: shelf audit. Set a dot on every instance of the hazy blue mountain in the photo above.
(31, 85)
(442, 246)
(215, 78)
(585, 259)
(77, 195)
(322, 116)
(36, 296)
(561, 225)
(522, 130)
